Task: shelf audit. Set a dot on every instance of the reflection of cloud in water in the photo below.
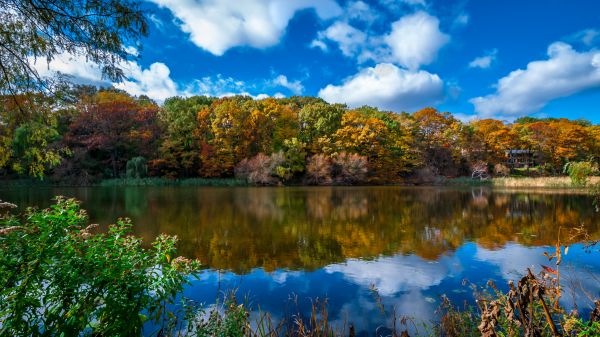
(394, 274)
(281, 276)
(579, 270)
(513, 259)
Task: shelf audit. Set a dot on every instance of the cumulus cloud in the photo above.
(80, 70)
(388, 87)
(523, 91)
(360, 11)
(295, 87)
(416, 39)
(349, 39)
(156, 82)
(485, 61)
(218, 25)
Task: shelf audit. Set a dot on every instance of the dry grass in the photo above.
(539, 182)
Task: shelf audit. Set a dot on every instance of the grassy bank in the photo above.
(20, 183)
(520, 182)
(174, 182)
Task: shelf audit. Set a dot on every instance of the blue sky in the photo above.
(474, 58)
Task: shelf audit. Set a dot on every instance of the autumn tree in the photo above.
(438, 136)
(114, 128)
(379, 137)
(179, 148)
(319, 120)
(556, 141)
(496, 138)
(29, 136)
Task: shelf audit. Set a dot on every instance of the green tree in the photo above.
(29, 137)
(319, 119)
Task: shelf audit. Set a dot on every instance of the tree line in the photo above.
(89, 134)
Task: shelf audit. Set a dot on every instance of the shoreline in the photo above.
(509, 183)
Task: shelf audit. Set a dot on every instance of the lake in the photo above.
(411, 245)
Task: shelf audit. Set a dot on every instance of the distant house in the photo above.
(521, 158)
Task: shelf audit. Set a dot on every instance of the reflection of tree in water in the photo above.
(243, 228)
(308, 228)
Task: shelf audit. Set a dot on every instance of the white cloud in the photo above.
(416, 39)
(75, 66)
(294, 86)
(218, 25)
(413, 41)
(388, 87)
(319, 44)
(589, 36)
(524, 91)
(131, 50)
(485, 61)
(154, 82)
(349, 39)
(360, 11)
(462, 19)
(156, 21)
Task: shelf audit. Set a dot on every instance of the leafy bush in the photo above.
(479, 170)
(260, 169)
(580, 172)
(60, 278)
(136, 168)
(318, 170)
(501, 170)
(349, 168)
(294, 154)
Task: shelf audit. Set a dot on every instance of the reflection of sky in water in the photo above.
(409, 283)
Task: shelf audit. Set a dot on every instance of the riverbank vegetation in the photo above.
(108, 134)
(60, 276)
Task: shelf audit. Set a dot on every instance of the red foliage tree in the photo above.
(114, 128)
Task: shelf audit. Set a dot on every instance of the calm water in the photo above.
(412, 244)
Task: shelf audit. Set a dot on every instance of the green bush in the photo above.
(580, 172)
(136, 168)
(60, 278)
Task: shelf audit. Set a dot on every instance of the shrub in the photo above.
(318, 170)
(136, 168)
(294, 158)
(580, 172)
(260, 169)
(59, 278)
(350, 168)
(479, 170)
(426, 175)
(501, 170)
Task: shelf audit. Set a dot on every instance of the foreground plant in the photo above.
(58, 277)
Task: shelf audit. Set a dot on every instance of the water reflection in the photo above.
(412, 244)
(239, 229)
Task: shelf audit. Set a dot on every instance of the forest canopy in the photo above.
(107, 133)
